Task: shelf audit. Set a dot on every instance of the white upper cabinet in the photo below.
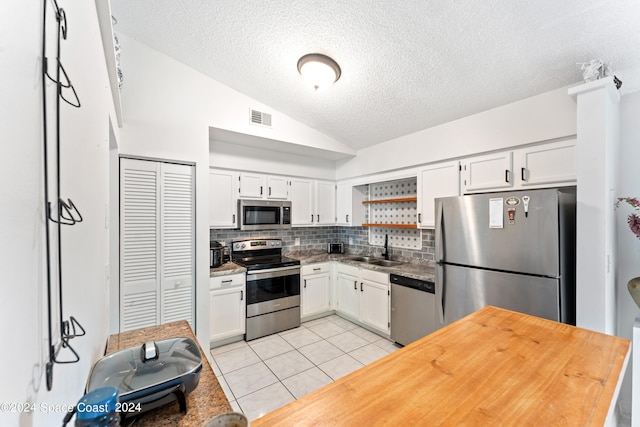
(536, 166)
(301, 196)
(223, 198)
(251, 185)
(312, 202)
(439, 180)
(553, 163)
(487, 172)
(277, 187)
(325, 202)
(343, 203)
(259, 186)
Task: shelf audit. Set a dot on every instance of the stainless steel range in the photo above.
(273, 286)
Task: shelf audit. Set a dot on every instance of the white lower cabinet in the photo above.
(363, 294)
(227, 306)
(348, 294)
(316, 289)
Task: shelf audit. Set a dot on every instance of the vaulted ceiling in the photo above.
(406, 64)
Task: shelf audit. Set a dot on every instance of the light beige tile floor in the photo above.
(265, 374)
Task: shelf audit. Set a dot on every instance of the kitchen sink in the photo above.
(375, 261)
(363, 258)
(385, 263)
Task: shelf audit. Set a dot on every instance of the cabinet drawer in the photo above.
(306, 270)
(226, 281)
(350, 270)
(374, 276)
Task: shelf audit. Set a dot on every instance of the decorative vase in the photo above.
(634, 289)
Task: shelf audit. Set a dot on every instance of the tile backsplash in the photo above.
(316, 238)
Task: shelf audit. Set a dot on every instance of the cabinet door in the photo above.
(227, 317)
(547, 164)
(347, 295)
(315, 294)
(441, 180)
(301, 196)
(251, 185)
(488, 172)
(374, 305)
(223, 199)
(343, 203)
(325, 202)
(277, 187)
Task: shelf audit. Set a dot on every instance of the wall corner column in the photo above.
(598, 135)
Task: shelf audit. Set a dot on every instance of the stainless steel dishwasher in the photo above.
(413, 308)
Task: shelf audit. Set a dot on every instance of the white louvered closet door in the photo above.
(177, 247)
(156, 243)
(139, 243)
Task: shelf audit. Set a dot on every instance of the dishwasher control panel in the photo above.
(420, 285)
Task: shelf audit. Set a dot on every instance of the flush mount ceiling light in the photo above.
(318, 70)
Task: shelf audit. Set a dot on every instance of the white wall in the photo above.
(85, 139)
(628, 246)
(241, 157)
(543, 117)
(168, 109)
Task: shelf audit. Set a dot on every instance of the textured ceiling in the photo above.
(406, 64)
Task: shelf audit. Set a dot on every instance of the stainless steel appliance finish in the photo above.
(258, 215)
(514, 250)
(272, 284)
(216, 253)
(413, 309)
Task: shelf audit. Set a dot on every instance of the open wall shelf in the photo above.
(391, 225)
(400, 200)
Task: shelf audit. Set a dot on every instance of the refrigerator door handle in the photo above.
(439, 259)
(440, 292)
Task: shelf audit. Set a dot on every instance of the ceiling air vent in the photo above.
(260, 118)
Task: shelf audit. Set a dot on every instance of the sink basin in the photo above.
(385, 263)
(362, 258)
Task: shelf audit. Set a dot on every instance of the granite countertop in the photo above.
(203, 403)
(226, 269)
(422, 270)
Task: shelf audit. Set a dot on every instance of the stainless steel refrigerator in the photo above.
(514, 250)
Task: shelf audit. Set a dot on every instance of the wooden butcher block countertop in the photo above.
(493, 367)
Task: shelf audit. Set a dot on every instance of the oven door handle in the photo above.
(273, 272)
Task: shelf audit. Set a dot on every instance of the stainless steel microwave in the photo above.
(264, 214)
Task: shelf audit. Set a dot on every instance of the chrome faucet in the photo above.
(385, 254)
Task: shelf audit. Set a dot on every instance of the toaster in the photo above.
(335, 248)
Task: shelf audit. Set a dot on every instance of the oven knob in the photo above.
(243, 245)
